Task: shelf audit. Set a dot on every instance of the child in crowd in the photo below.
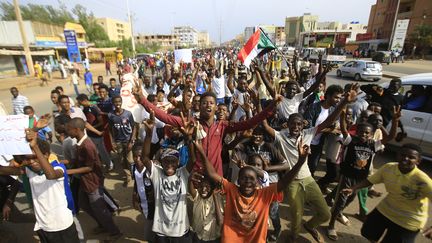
(54, 219)
(246, 209)
(91, 183)
(44, 133)
(123, 134)
(143, 194)
(171, 222)
(355, 166)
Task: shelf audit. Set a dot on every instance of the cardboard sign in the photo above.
(12, 135)
(184, 55)
(129, 101)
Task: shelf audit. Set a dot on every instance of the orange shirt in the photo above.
(246, 218)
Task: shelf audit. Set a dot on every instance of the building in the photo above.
(280, 36)
(295, 25)
(188, 36)
(203, 39)
(332, 34)
(46, 41)
(275, 33)
(116, 29)
(382, 18)
(166, 42)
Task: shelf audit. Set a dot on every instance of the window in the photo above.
(417, 98)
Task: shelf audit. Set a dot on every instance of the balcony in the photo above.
(405, 15)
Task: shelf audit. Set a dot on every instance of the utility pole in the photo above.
(24, 39)
(394, 25)
(220, 32)
(131, 26)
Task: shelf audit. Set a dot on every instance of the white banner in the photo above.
(128, 99)
(12, 135)
(184, 55)
(399, 35)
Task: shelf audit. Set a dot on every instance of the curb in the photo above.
(392, 76)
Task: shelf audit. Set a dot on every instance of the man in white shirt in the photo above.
(18, 101)
(218, 85)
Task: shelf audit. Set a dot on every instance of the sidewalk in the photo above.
(22, 82)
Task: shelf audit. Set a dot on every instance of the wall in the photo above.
(10, 34)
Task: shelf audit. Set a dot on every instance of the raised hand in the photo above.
(137, 90)
(303, 149)
(247, 105)
(351, 95)
(189, 126)
(150, 123)
(31, 137)
(397, 114)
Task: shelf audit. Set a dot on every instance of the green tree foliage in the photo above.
(422, 37)
(35, 12)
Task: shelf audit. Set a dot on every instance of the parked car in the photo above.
(361, 70)
(417, 112)
(382, 57)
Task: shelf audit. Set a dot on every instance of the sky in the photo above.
(223, 19)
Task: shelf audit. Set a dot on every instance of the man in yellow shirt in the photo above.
(404, 211)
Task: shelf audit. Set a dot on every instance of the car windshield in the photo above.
(371, 65)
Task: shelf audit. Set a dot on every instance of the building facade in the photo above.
(46, 41)
(382, 17)
(116, 29)
(295, 25)
(166, 42)
(203, 39)
(188, 36)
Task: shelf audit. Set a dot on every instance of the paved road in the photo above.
(130, 221)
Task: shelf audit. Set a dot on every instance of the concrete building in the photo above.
(166, 42)
(203, 39)
(330, 34)
(188, 36)
(115, 29)
(248, 32)
(275, 33)
(47, 42)
(383, 14)
(295, 25)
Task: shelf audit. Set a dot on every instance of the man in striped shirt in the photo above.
(18, 101)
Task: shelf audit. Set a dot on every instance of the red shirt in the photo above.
(213, 142)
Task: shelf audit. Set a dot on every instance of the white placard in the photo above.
(184, 55)
(12, 135)
(128, 99)
(399, 34)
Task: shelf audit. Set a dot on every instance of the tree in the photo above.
(422, 37)
(35, 12)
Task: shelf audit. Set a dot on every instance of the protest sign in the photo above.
(12, 135)
(129, 101)
(184, 55)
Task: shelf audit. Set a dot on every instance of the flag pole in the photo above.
(281, 53)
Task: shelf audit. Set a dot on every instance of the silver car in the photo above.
(417, 112)
(361, 70)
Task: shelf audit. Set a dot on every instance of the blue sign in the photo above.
(57, 44)
(72, 46)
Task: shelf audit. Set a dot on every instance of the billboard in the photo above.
(399, 34)
(72, 46)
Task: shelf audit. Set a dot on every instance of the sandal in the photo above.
(332, 234)
(343, 220)
(315, 234)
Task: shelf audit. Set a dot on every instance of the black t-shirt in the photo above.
(92, 112)
(357, 153)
